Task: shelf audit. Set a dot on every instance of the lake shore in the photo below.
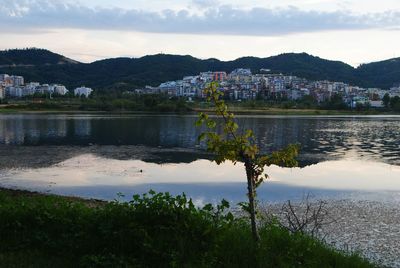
(41, 230)
(195, 111)
(369, 228)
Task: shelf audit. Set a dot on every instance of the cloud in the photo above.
(205, 3)
(219, 19)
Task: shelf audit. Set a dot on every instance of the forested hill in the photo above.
(380, 74)
(32, 56)
(126, 73)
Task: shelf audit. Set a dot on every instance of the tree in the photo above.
(335, 103)
(395, 103)
(230, 145)
(386, 100)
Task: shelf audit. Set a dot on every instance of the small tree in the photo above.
(386, 100)
(228, 144)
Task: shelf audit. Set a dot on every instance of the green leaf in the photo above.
(211, 124)
(202, 136)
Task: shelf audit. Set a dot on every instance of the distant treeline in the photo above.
(391, 103)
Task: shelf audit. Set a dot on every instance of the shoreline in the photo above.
(371, 228)
(196, 111)
(15, 192)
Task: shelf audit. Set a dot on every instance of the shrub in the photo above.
(153, 230)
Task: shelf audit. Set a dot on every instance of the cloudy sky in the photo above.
(353, 31)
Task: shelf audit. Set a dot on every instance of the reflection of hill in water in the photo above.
(45, 156)
(40, 140)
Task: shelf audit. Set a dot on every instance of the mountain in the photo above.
(32, 56)
(126, 73)
(380, 74)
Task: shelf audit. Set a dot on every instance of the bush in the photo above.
(153, 230)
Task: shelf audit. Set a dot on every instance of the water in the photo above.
(101, 155)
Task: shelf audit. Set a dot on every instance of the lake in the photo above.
(102, 155)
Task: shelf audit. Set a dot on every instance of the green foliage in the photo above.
(100, 102)
(153, 230)
(230, 145)
(386, 100)
(392, 104)
(395, 103)
(238, 147)
(31, 56)
(382, 74)
(335, 103)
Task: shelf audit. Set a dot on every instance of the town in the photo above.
(13, 86)
(241, 84)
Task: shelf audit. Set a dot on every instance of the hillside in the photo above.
(32, 56)
(126, 73)
(382, 73)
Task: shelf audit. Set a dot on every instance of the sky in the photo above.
(353, 31)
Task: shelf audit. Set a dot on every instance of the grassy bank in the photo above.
(194, 110)
(161, 104)
(284, 111)
(155, 230)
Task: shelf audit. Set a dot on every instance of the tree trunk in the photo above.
(251, 195)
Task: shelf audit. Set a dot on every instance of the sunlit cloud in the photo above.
(220, 19)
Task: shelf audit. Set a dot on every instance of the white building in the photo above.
(376, 104)
(2, 92)
(241, 71)
(60, 89)
(17, 80)
(43, 89)
(83, 91)
(3, 77)
(206, 76)
(14, 92)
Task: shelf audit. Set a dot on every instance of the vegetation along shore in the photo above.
(153, 230)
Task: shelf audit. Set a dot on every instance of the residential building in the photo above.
(2, 92)
(60, 89)
(17, 80)
(83, 91)
(219, 76)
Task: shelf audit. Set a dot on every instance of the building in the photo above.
(14, 92)
(83, 91)
(219, 76)
(59, 89)
(376, 104)
(206, 77)
(17, 80)
(2, 92)
(3, 77)
(43, 89)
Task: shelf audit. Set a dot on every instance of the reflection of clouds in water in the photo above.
(89, 170)
(343, 174)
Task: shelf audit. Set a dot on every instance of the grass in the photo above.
(153, 230)
(194, 108)
(291, 111)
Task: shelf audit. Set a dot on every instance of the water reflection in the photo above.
(43, 129)
(93, 176)
(322, 138)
